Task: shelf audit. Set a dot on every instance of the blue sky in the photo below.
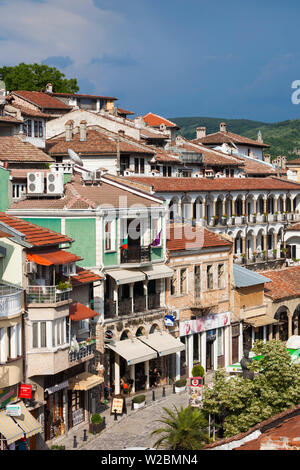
(234, 58)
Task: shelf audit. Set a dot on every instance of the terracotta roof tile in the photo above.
(13, 149)
(96, 143)
(186, 237)
(34, 234)
(285, 283)
(40, 99)
(84, 276)
(170, 184)
(155, 120)
(227, 137)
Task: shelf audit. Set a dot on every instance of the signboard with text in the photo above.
(209, 322)
(25, 391)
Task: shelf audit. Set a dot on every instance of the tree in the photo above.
(241, 403)
(185, 429)
(34, 77)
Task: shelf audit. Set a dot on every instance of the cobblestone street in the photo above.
(134, 430)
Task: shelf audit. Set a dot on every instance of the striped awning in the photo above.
(27, 422)
(9, 429)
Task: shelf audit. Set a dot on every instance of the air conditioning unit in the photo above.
(55, 182)
(31, 267)
(35, 183)
(97, 175)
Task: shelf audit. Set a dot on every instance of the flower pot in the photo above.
(179, 389)
(96, 428)
(136, 406)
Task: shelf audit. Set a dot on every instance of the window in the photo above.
(41, 129)
(19, 190)
(183, 281)
(197, 287)
(36, 128)
(173, 284)
(156, 230)
(35, 335)
(43, 335)
(29, 128)
(139, 165)
(220, 339)
(108, 236)
(2, 346)
(209, 276)
(221, 276)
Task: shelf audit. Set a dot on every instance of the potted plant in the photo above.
(198, 371)
(243, 255)
(57, 447)
(274, 253)
(253, 217)
(180, 385)
(138, 401)
(264, 254)
(254, 254)
(97, 423)
(61, 286)
(283, 251)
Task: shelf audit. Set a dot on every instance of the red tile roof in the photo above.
(285, 283)
(79, 196)
(53, 257)
(41, 100)
(170, 184)
(84, 276)
(11, 119)
(227, 137)
(155, 120)
(34, 234)
(295, 161)
(97, 142)
(13, 149)
(26, 111)
(78, 95)
(186, 237)
(78, 311)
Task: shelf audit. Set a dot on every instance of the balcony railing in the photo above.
(153, 301)
(139, 304)
(136, 254)
(10, 300)
(125, 306)
(110, 308)
(85, 350)
(47, 294)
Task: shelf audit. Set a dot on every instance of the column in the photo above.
(265, 247)
(254, 206)
(264, 334)
(290, 325)
(265, 205)
(241, 347)
(224, 207)
(243, 244)
(215, 353)
(275, 204)
(116, 298)
(145, 286)
(203, 350)
(284, 203)
(270, 335)
(132, 375)
(214, 208)
(243, 206)
(227, 346)
(275, 244)
(190, 344)
(178, 365)
(232, 207)
(253, 337)
(117, 374)
(147, 373)
(254, 242)
(131, 296)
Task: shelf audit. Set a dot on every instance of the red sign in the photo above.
(25, 391)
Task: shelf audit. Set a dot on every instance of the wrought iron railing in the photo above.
(136, 254)
(86, 350)
(153, 301)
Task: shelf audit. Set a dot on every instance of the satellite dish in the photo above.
(75, 157)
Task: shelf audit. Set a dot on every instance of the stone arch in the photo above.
(154, 328)
(282, 328)
(173, 208)
(126, 334)
(141, 331)
(198, 207)
(186, 207)
(296, 321)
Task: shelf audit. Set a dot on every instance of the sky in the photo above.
(216, 58)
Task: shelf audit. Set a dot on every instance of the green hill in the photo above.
(283, 137)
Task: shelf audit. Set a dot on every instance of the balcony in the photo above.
(86, 351)
(125, 306)
(153, 301)
(110, 310)
(47, 294)
(136, 254)
(10, 300)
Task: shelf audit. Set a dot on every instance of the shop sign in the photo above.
(206, 323)
(109, 336)
(169, 320)
(7, 395)
(13, 410)
(117, 406)
(25, 391)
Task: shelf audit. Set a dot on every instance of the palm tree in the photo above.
(185, 429)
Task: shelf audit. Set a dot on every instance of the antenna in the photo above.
(75, 157)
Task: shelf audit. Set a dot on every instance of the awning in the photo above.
(125, 276)
(163, 343)
(27, 422)
(57, 387)
(159, 271)
(79, 312)
(260, 320)
(50, 258)
(85, 381)
(133, 350)
(9, 428)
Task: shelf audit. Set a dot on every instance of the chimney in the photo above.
(69, 130)
(200, 132)
(139, 122)
(49, 88)
(259, 137)
(82, 131)
(283, 162)
(267, 158)
(121, 132)
(223, 127)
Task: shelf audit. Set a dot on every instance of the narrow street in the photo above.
(134, 430)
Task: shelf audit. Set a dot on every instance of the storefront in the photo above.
(137, 358)
(206, 342)
(17, 427)
(55, 413)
